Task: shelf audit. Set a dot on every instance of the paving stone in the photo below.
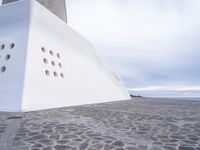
(78, 140)
(47, 148)
(73, 144)
(36, 137)
(61, 147)
(177, 137)
(74, 148)
(20, 148)
(120, 148)
(62, 141)
(109, 137)
(155, 148)
(108, 141)
(143, 147)
(38, 146)
(132, 148)
(190, 141)
(33, 133)
(54, 137)
(153, 138)
(46, 142)
(97, 146)
(83, 145)
(35, 148)
(69, 136)
(17, 144)
(118, 143)
(185, 148)
(169, 147)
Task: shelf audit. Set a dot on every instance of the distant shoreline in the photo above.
(171, 98)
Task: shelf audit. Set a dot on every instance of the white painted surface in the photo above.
(13, 29)
(85, 80)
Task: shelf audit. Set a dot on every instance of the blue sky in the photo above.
(153, 45)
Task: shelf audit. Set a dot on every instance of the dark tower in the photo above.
(58, 7)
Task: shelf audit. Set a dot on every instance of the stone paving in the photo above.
(137, 124)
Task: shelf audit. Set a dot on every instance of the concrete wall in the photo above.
(14, 25)
(85, 80)
(58, 7)
(51, 65)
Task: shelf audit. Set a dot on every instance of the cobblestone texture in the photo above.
(138, 124)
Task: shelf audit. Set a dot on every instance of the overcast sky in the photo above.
(153, 45)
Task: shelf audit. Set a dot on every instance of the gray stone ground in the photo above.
(138, 124)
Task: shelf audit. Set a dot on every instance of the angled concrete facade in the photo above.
(45, 64)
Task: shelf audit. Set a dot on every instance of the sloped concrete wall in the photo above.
(50, 65)
(81, 79)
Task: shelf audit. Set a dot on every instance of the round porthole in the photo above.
(45, 61)
(62, 75)
(3, 69)
(8, 57)
(55, 74)
(58, 55)
(47, 72)
(53, 63)
(12, 45)
(60, 65)
(43, 49)
(51, 52)
(2, 46)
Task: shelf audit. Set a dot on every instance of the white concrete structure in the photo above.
(45, 64)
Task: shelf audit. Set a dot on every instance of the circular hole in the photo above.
(8, 57)
(58, 55)
(45, 61)
(43, 49)
(53, 63)
(2, 46)
(51, 52)
(55, 74)
(47, 72)
(3, 69)
(12, 45)
(62, 75)
(60, 65)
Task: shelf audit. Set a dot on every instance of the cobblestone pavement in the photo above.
(137, 124)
